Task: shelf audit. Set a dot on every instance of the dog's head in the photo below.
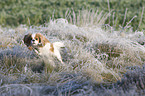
(35, 40)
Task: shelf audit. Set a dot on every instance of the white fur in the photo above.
(34, 43)
(33, 35)
(57, 46)
(44, 51)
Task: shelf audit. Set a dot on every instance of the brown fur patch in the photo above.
(51, 48)
(30, 47)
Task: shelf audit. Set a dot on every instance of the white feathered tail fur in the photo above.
(57, 46)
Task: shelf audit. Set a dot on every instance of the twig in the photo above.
(109, 10)
(124, 17)
(141, 18)
(129, 22)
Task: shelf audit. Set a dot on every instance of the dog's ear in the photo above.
(27, 39)
(42, 39)
(39, 40)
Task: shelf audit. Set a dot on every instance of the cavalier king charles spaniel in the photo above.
(42, 46)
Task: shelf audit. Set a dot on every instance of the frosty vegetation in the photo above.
(99, 60)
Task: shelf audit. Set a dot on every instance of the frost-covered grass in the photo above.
(99, 61)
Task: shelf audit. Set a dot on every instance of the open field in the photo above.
(99, 60)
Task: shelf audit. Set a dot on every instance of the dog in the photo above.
(42, 46)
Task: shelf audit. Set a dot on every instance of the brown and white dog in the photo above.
(41, 45)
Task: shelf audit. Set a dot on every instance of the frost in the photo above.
(92, 55)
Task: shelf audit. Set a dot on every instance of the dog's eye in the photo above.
(36, 38)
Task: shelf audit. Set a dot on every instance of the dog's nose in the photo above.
(33, 40)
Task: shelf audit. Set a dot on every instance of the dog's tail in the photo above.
(58, 45)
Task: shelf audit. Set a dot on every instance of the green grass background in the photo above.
(37, 12)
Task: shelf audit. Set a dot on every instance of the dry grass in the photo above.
(95, 60)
